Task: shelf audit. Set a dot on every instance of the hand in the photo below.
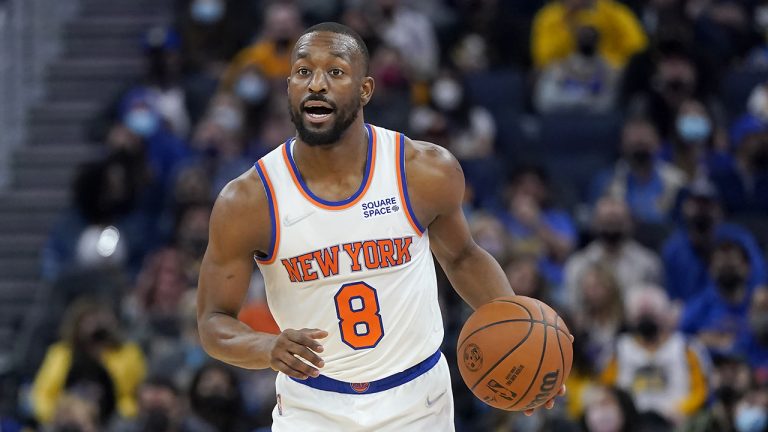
(302, 343)
(526, 211)
(548, 404)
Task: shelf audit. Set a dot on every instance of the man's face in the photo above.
(327, 87)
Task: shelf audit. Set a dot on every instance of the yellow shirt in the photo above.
(267, 59)
(125, 365)
(552, 39)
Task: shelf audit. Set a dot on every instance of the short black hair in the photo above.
(334, 27)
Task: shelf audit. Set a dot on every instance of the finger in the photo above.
(562, 391)
(304, 339)
(299, 365)
(528, 412)
(309, 356)
(280, 366)
(572, 338)
(550, 404)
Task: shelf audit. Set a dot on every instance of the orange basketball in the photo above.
(514, 353)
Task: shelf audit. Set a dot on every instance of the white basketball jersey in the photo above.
(360, 268)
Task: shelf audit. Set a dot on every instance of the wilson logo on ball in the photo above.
(545, 389)
(473, 357)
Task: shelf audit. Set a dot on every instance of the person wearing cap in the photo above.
(743, 183)
(685, 252)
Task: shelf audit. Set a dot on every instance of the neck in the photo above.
(347, 155)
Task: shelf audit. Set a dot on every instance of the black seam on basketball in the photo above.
(543, 321)
(477, 330)
(490, 369)
(538, 368)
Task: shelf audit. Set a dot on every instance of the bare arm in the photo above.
(436, 183)
(239, 227)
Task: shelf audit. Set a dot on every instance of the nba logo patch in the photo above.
(279, 405)
(360, 387)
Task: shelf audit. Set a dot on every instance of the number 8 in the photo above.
(357, 307)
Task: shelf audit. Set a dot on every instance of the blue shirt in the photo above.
(641, 196)
(686, 272)
(711, 311)
(756, 354)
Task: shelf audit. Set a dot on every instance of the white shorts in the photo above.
(422, 404)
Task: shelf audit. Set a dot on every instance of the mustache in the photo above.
(317, 98)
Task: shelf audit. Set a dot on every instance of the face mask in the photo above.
(640, 158)
(647, 328)
(729, 281)
(761, 17)
(447, 94)
(156, 420)
(227, 118)
(207, 11)
(142, 122)
(693, 128)
(751, 419)
(587, 48)
(702, 222)
(604, 419)
(251, 88)
(611, 237)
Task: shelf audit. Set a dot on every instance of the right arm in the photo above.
(240, 226)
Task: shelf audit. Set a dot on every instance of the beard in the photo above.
(343, 119)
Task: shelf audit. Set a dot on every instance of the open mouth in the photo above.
(317, 110)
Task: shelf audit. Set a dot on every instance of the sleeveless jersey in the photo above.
(360, 268)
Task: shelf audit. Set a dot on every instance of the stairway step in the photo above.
(117, 7)
(21, 246)
(28, 222)
(18, 291)
(95, 69)
(112, 26)
(50, 178)
(63, 111)
(124, 47)
(85, 90)
(56, 133)
(19, 268)
(34, 200)
(55, 155)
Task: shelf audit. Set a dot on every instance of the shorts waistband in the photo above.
(329, 384)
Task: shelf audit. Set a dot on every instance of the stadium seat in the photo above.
(498, 90)
(736, 87)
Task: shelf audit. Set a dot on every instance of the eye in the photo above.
(302, 71)
(336, 72)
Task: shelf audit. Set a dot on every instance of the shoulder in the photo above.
(432, 167)
(241, 212)
(243, 194)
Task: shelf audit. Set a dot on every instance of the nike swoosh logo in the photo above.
(432, 402)
(289, 221)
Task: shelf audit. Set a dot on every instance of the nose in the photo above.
(318, 83)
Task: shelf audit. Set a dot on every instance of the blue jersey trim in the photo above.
(272, 219)
(360, 190)
(407, 198)
(329, 384)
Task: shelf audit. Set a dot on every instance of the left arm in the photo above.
(436, 186)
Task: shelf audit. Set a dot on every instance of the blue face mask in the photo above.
(207, 11)
(142, 122)
(251, 88)
(751, 419)
(692, 127)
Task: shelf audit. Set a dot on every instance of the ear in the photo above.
(366, 90)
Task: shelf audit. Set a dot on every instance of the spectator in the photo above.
(717, 316)
(698, 146)
(489, 232)
(74, 414)
(215, 397)
(631, 263)
(524, 277)
(599, 312)
(92, 360)
(665, 374)
(753, 342)
(751, 411)
(250, 94)
(552, 39)
(685, 252)
(467, 130)
(536, 226)
(161, 409)
(724, 27)
(609, 409)
(411, 34)
(271, 52)
(583, 81)
(649, 186)
(743, 181)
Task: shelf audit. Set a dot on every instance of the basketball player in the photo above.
(343, 221)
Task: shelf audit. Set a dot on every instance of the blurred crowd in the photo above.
(616, 157)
